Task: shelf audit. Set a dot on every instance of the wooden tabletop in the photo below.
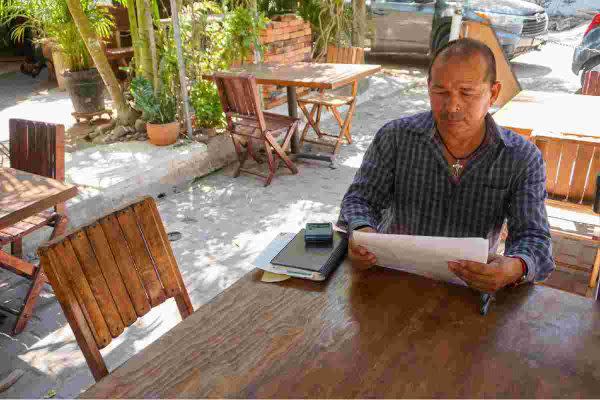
(23, 194)
(551, 112)
(384, 334)
(313, 75)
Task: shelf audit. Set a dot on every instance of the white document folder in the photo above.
(423, 255)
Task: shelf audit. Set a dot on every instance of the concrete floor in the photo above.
(225, 223)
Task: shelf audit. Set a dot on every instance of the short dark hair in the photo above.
(467, 47)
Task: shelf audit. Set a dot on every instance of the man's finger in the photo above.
(477, 268)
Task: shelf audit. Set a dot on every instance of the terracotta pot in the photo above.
(163, 134)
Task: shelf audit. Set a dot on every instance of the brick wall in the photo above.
(287, 39)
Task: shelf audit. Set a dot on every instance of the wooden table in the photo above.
(311, 75)
(387, 334)
(551, 112)
(23, 194)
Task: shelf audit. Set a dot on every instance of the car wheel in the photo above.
(442, 37)
(588, 66)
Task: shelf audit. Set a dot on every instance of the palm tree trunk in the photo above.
(145, 61)
(152, 43)
(135, 37)
(125, 115)
(359, 22)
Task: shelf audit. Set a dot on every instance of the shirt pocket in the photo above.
(487, 207)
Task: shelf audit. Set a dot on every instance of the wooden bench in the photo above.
(572, 166)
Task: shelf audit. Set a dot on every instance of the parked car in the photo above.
(422, 26)
(587, 55)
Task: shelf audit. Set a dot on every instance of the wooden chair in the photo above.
(245, 119)
(591, 83)
(572, 165)
(331, 102)
(107, 274)
(38, 148)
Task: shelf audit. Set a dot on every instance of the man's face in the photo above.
(460, 96)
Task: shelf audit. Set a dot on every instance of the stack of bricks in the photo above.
(287, 39)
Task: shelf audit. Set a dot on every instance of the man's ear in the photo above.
(496, 87)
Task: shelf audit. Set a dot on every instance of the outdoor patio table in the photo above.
(563, 113)
(311, 75)
(24, 195)
(381, 333)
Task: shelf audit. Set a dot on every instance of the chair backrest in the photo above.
(37, 147)
(107, 274)
(591, 83)
(572, 164)
(345, 55)
(239, 98)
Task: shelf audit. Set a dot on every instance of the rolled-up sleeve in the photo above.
(528, 230)
(372, 188)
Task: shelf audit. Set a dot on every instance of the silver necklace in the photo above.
(457, 167)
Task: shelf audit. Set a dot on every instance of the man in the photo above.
(453, 172)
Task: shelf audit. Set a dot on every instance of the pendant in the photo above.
(456, 169)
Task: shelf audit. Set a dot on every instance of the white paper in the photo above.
(423, 255)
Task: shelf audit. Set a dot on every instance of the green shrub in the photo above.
(158, 108)
(204, 97)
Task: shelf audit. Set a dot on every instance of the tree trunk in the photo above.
(125, 114)
(145, 61)
(359, 22)
(135, 37)
(152, 43)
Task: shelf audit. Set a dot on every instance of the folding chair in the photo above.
(331, 102)
(107, 274)
(245, 119)
(38, 148)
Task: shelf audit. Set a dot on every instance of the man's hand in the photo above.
(361, 258)
(490, 277)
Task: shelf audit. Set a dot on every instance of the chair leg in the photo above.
(309, 121)
(242, 155)
(344, 131)
(16, 248)
(184, 304)
(271, 162)
(275, 146)
(38, 281)
(338, 116)
(595, 270)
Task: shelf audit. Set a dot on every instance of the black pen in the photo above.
(486, 300)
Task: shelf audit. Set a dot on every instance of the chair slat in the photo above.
(78, 282)
(568, 154)
(125, 264)
(109, 269)
(157, 248)
(240, 96)
(331, 54)
(580, 172)
(96, 281)
(551, 154)
(142, 259)
(18, 145)
(73, 311)
(590, 189)
(184, 304)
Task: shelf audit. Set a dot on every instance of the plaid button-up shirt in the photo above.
(404, 186)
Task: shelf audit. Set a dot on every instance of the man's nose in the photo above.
(453, 103)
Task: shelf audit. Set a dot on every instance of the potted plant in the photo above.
(159, 110)
(208, 113)
(50, 21)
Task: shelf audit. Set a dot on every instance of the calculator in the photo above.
(318, 232)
